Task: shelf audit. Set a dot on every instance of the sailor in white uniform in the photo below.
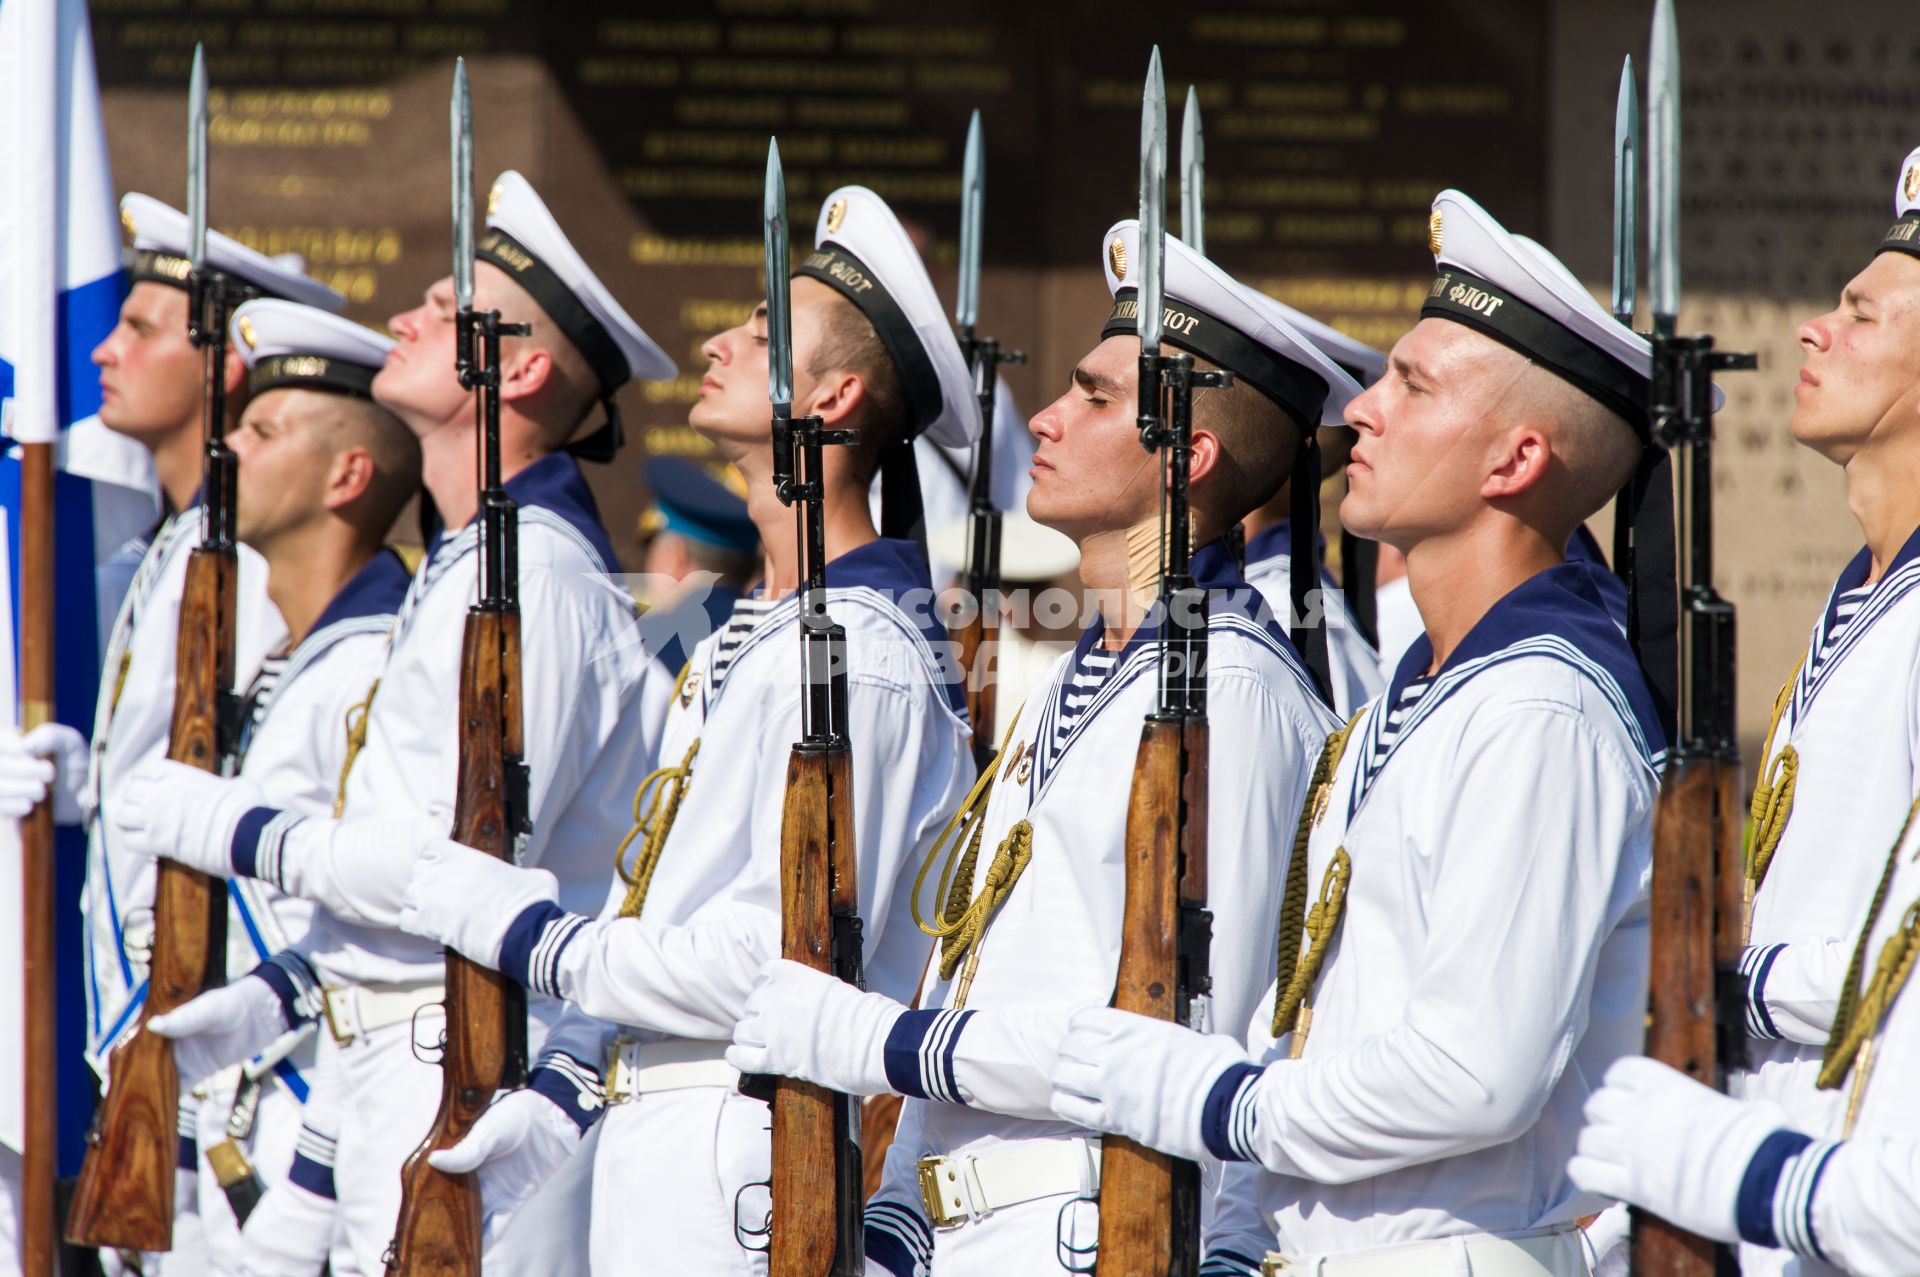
(1481, 850)
(581, 670)
(323, 473)
(1832, 804)
(1030, 924)
(682, 1159)
(1843, 753)
(1353, 666)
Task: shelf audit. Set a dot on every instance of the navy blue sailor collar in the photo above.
(377, 589)
(554, 484)
(1562, 613)
(1894, 583)
(1860, 566)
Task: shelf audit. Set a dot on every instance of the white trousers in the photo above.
(669, 1174)
(276, 1125)
(387, 1100)
(1039, 1236)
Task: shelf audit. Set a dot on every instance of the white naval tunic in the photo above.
(1351, 661)
(977, 1076)
(132, 723)
(684, 967)
(1492, 958)
(1854, 719)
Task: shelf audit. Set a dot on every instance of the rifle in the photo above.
(818, 1211)
(981, 580)
(1694, 1020)
(485, 1043)
(124, 1198)
(1150, 1201)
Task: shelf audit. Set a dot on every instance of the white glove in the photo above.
(222, 1026)
(288, 1234)
(466, 899)
(519, 1142)
(51, 757)
(1145, 1079)
(174, 810)
(803, 1023)
(1658, 1139)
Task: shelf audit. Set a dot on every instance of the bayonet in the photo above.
(461, 112)
(1193, 176)
(1663, 163)
(1626, 197)
(1153, 205)
(773, 214)
(973, 189)
(197, 159)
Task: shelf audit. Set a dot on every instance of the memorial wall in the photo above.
(1329, 125)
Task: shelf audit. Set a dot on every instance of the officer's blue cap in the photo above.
(694, 504)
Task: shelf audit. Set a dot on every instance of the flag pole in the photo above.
(39, 1156)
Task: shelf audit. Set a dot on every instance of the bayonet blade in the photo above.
(973, 192)
(197, 159)
(461, 121)
(1663, 160)
(1153, 204)
(1626, 197)
(1193, 176)
(779, 318)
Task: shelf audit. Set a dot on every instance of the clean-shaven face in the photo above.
(732, 404)
(1090, 473)
(150, 374)
(284, 463)
(1860, 369)
(419, 383)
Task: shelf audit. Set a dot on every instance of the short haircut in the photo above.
(1258, 442)
(361, 423)
(848, 343)
(574, 388)
(1596, 447)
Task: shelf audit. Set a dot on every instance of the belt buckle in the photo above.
(933, 1172)
(614, 1093)
(330, 996)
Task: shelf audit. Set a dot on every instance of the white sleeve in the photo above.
(692, 979)
(1793, 989)
(1257, 773)
(1864, 1209)
(1529, 878)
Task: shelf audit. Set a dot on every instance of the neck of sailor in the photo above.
(1883, 492)
(1456, 576)
(846, 515)
(450, 458)
(1120, 567)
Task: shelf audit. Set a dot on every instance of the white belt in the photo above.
(957, 1189)
(355, 1010)
(646, 1068)
(1558, 1252)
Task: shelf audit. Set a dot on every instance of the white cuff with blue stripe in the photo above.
(1774, 1207)
(294, 982)
(534, 943)
(575, 1087)
(258, 840)
(1228, 1118)
(919, 1054)
(898, 1239)
(1756, 964)
(312, 1168)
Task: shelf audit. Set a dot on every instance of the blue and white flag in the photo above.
(61, 285)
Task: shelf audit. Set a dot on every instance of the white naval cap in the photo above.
(1029, 551)
(1357, 359)
(862, 252)
(287, 344)
(162, 244)
(1509, 288)
(1213, 316)
(1904, 235)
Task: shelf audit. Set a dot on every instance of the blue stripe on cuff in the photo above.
(919, 1054)
(1218, 1117)
(1793, 1200)
(537, 937)
(573, 1085)
(315, 1177)
(897, 1238)
(1229, 1263)
(293, 981)
(1759, 1019)
(244, 850)
(187, 1158)
(1753, 1206)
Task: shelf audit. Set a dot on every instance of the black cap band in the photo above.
(311, 372)
(841, 271)
(152, 266)
(1492, 311)
(595, 343)
(1300, 392)
(1903, 236)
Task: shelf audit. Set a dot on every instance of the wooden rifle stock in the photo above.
(1150, 1201)
(438, 1233)
(969, 639)
(124, 1198)
(817, 1183)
